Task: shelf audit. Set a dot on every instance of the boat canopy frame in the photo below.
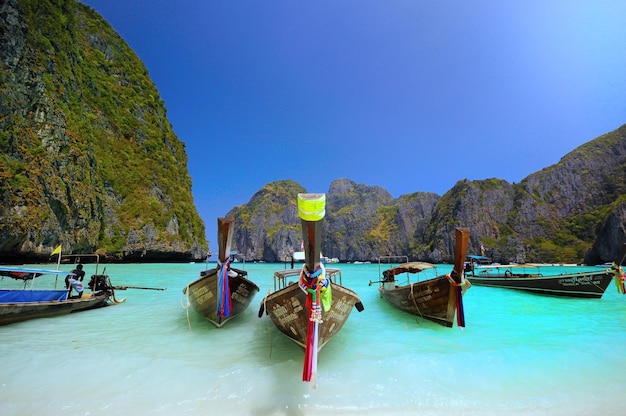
(280, 276)
(398, 265)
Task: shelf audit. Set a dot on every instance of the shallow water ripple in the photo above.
(520, 354)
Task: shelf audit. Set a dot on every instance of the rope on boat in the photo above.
(600, 289)
(187, 305)
(115, 299)
(109, 284)
(412, 296)
(267, 321)
(460, 289)
(267, 318)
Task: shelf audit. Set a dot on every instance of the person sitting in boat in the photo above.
(74, 281)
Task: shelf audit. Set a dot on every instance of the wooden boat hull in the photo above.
(287, 310)
(430, 299)
(578, 285)
(203, 295)
(286, 307)
(438, 298)
(17, 312)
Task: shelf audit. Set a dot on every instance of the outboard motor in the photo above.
(100, 283)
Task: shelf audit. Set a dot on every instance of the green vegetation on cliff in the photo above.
(87, 149)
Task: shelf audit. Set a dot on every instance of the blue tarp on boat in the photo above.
(24, 273)
(23, 296)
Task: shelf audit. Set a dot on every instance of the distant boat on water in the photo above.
(541, 278)
(579, 284)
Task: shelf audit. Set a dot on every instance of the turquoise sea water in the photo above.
(520, 354)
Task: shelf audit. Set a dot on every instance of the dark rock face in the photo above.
(267, 227)
(566, 213)
(88, 159)
(353, 215)
(484, 206)
(611, 236)
(562, 207)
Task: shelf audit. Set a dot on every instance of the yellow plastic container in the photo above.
(311, 207)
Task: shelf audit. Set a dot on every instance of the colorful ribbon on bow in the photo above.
(224, 302)
(313, 284)
(618, 278)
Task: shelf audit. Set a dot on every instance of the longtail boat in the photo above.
(437, 298)
(224, 292)
(531, 278)
(31, 301)
(313, 308)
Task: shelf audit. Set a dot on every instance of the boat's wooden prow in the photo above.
(225, 231)
(221, 293)
(313, 310)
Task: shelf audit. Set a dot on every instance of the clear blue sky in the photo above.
(409, 95)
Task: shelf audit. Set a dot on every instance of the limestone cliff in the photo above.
(360, 221)
(570, 212)
(267, 227)
(88, 158)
